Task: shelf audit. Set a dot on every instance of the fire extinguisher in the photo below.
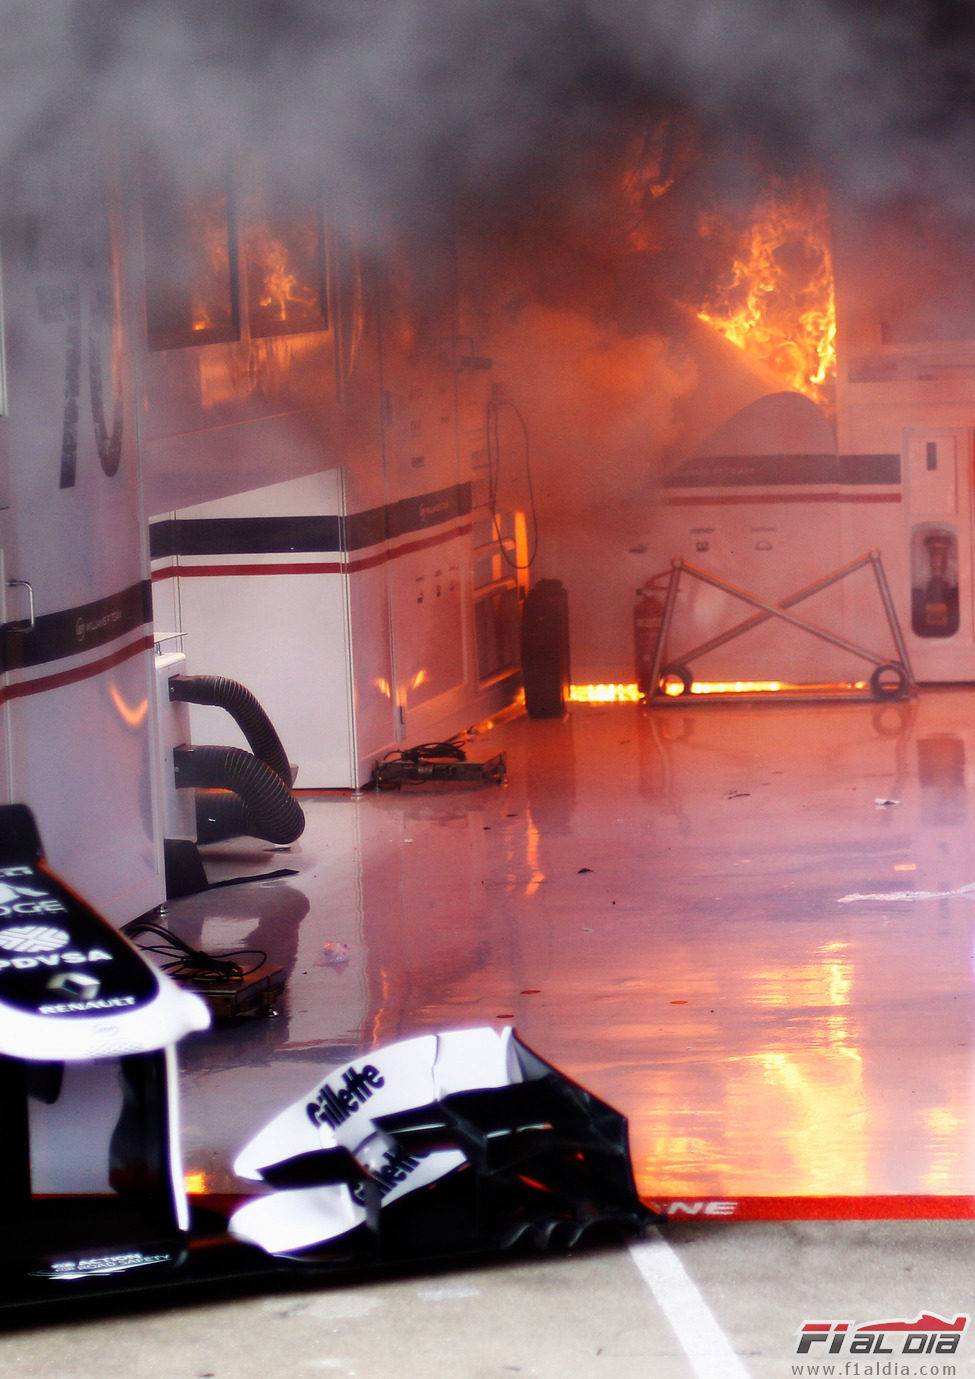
(648, 616)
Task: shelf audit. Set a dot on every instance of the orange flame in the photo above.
(209, 287)
(604, 694)
(279, 286)
(778, 300)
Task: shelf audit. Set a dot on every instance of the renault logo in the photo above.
(77, 986)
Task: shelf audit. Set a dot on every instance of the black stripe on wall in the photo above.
(73, 630)
(244, 535)
(307, 535)
(731, 471)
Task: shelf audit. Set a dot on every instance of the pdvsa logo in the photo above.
(31, 938)
(32, 947)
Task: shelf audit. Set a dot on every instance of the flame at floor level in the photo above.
(777, 301)
(604, 694)
(763, 687)
(732, 687)
(631, 694)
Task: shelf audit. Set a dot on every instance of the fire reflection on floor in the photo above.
(748, 927)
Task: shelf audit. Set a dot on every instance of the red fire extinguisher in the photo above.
(648, 616)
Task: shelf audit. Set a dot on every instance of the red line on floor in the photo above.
(892, 1207)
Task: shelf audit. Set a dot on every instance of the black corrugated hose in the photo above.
(261, 805)
(244, 708)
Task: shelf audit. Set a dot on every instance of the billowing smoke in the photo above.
(425, 100)
(577, 142)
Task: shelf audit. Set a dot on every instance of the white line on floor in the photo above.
(691, 1320)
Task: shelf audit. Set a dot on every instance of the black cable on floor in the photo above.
(451, 750)
(183, 962)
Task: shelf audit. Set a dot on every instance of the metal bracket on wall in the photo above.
(26, 624)
(892, 678)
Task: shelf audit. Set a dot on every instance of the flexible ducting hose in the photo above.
(261, 805)
(244, 709)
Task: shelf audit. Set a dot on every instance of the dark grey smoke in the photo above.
(422, 101)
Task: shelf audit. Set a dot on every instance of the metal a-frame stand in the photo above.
(672, 678)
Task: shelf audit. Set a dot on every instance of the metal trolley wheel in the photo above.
(889, 681)
(675, 681)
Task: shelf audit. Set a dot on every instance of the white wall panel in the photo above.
(278, 622)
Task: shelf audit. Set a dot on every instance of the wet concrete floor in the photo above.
(749, 928)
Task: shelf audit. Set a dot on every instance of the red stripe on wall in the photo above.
(23, 688)
(410, 547)
(726, 499)
(314, 567)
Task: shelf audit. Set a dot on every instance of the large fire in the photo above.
(285, 292)
(210, 290)
(777, 301)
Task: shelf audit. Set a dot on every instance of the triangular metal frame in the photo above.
(891, 679)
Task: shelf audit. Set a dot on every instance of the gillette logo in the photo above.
(395, 1168)
(334, 1106)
